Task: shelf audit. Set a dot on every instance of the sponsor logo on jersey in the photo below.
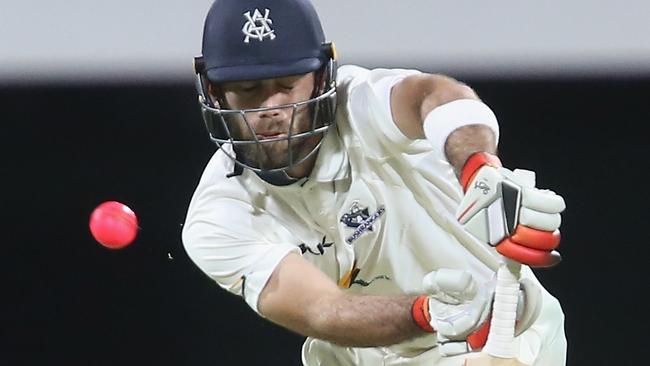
(350, 278)
(258, 26)
(320, 247)
(361, 220)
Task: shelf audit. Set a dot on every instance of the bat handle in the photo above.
(500, 342)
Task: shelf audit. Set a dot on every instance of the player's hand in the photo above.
(504, 209)
(458, 309)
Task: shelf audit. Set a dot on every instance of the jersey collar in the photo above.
(332, 161)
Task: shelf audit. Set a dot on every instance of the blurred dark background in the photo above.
(71, 301)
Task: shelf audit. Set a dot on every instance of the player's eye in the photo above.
(247, 88)
(288, 83)
(243, 87)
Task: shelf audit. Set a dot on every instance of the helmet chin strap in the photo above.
(278, 178)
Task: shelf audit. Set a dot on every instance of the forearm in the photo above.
(311, 304)
(447, 113)
(365, 321)
(416, 96)
(467, 140)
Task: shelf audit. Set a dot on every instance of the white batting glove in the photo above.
(458, 309)
(504, 209)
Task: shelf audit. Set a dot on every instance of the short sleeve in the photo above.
(231, 244)
(367, 95)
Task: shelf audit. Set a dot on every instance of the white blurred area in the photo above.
(73, 41)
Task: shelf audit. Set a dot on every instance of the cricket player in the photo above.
(344, 203)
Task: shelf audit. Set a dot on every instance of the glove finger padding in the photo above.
(454, 323)
(522, 177)
(450, 286)
(536, 239)
(448, 347)
(542, 200)
(456, 319)
(528, 256)
(539, 220)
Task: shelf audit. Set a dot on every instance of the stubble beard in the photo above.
(275, 155)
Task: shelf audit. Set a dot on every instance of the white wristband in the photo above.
(445, 119)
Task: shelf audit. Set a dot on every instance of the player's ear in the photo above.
(214, 93)
(320, 79)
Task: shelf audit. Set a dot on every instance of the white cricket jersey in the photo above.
(376, 214)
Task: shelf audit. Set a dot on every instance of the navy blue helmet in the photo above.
(264, 39)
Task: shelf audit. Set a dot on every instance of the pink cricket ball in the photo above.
(113, 224)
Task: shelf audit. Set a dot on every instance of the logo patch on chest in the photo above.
(360, 220)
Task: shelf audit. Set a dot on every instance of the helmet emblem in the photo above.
(258, 26)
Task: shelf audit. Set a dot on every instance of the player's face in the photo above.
(270, 124)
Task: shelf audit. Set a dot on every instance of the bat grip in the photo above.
(500, 342)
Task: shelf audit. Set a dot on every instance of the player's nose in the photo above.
(271, 111)
(272, 101)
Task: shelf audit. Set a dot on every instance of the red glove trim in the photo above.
(536, 239)
(420, 313)
(478, 338)
(528, 256)
(472, 165)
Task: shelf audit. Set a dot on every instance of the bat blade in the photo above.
(483, 359)
(499, 349)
